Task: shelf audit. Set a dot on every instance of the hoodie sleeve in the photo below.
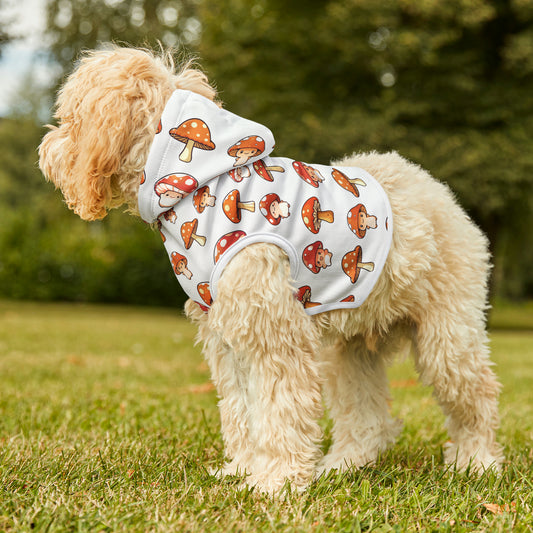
(196, 141)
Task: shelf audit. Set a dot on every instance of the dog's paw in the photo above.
(473, 458)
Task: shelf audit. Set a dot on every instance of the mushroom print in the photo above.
(195, 134)
(313, 216)
(159, 127)
(266, 172)
(172, 188)
(359, 220)
(143, 177)
(170, 216)
(315, 257)
(205, 293)
(238, 174)
(159, 227)
(308, 174)
(226, 241)
(179, 264)
(350, 298)
(202, 199)
(352, 264)
(188, 234)
(304, 295)
(232, 206)
(347, 183)
(273, 208)
(245, 149)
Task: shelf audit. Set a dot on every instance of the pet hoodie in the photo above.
(213, 189)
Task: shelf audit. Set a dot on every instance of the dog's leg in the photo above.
(452, 355)
(357, 393)
(274, 402)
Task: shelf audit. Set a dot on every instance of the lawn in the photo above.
(108, 422)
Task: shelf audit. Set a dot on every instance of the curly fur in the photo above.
(269, 360)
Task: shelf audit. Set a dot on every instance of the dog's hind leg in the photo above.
(451, 354)
(357, 395)
(275, 401)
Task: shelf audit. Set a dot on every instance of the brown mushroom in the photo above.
(346, 183)
(195, 134)
(188, 234)
(312, 216)
(232, 206)
(205, 293)
(246, 148)
(304, 295)
(179, 263)
(266, 172)
(307, 173)
(226, 241)
(359, 220)
(352, 264)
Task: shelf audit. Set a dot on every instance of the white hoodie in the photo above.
(212, 188)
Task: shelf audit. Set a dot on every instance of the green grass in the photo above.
(106, 424)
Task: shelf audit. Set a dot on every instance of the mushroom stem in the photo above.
(241, 160)
(326, 216)
(186, 154)
(199, 239)
(247, 206)
(357, 181)
(276, 169)
(369, 267)
(185, 271)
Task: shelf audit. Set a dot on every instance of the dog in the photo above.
(271, 358)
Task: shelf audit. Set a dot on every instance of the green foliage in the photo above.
(107, 423)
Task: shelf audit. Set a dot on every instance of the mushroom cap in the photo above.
(176, 260)
(230, 206)
(260, 168)
(204, 292)
(253, 141)
(343, 181)
(188, 229)
(181, 183)
(353, 220)
(350, 262)
(300, 169)
(310, 214)
(226, 241)
(264, 207)
(350, 298)
(195, 130)
(159, 127)
(309, 256)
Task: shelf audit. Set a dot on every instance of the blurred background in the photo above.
(448, 85)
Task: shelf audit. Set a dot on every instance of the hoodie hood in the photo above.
(195, 142)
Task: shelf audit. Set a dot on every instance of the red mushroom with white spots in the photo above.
(266, 172)
(172, 188)
(352, 264)
(246, 148)
(202, 199)
(304, 296)
(195, 134)
(179, 264)
(232, 206)
(205, 293)
(307, 173)
(315, 257)
(239, 173)
(312, 216)
(226, 241)
(359, 221)
(273, 208)
(188, 234)
(350, 184)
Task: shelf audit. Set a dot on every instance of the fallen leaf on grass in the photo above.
(500, 509)
(201, 389)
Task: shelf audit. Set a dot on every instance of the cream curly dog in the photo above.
(271, 357)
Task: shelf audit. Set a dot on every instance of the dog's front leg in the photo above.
(273, 404)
